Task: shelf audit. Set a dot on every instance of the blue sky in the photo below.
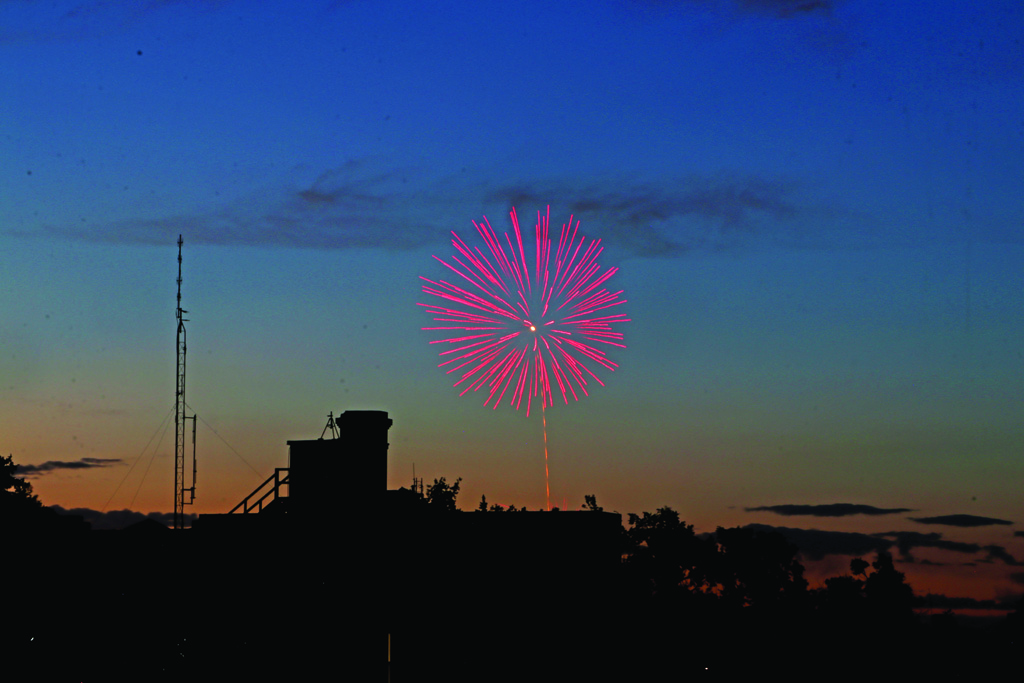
(814, 205)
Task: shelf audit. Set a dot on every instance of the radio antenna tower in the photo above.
(180, 418)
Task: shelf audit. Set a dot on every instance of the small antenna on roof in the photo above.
(333, 426)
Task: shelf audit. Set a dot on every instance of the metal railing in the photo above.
(275, 482)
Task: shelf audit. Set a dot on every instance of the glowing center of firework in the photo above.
(555, 287)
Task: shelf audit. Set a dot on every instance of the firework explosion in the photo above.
(521, 332)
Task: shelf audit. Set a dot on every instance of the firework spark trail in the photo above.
(515, 330)
(547, 478)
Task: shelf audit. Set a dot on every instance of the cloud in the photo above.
(349, 207)
(730, 201)
(785, 9)
(55, 465)
(674, 216)
(77, 20)
(938, 601)
(960, 520)
(361, 205)
(907, 541)
(998, 552)
(120, 519)
(782, 9)
(815, 544)
(829, 510)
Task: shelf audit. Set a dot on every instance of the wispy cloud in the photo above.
(960, 520)
(730, 201)
(907, 541)
(360, 205)
(77, 20)
(671, 217)
(782, 9)
(58, 465)
(998, 552)
(815, 544)
(828, 510)
(363, 205)
(938, 601)
(350, 207)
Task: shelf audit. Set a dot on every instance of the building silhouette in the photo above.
(472, 587)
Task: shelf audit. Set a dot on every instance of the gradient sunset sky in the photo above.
(815, 206)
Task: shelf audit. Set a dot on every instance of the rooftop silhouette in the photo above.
(311, 571)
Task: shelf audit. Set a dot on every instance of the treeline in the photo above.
(754, 571)
(737, 600)
(744, 585)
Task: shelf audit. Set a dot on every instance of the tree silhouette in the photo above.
(667, 554)
(841, 603)
(12, 488)
(889, 598)
(441, 496)
(759, 570)
(20, 509)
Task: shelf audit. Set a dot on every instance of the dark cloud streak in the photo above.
(829, 510)
(672, 217)
(815, 544)
(344, 208)
(960, 520)
(57, 465)
(998, 552)
(781, 9)
(357, 206)
(785, 9)
(907, 541)
(76, 20)
(938, 601)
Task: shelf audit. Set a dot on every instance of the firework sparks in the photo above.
(526, 327)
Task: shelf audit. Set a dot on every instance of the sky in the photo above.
(814, 207)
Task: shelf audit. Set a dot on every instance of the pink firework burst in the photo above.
(526, 326)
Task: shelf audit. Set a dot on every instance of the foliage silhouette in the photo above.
(758, 570)
(889, 598)
(494, 507)
(11, 486)
(441, 496)
(21, 513)
(669, 556)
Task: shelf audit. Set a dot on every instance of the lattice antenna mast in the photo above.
(180, 418)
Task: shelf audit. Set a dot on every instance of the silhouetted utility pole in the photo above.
(180, 418)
